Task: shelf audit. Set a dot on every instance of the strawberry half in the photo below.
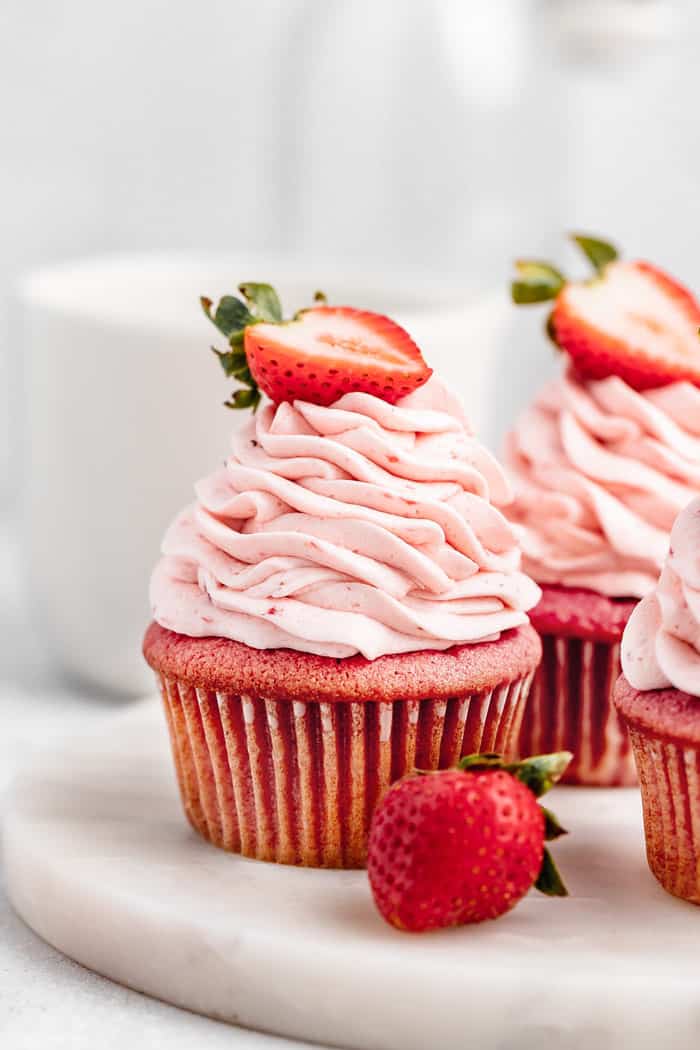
(630, 320)
(319, 355)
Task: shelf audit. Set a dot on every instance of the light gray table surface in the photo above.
(48, 1002)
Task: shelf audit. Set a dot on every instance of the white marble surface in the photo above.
(48, 1002)
(100, 862)
(615, 964)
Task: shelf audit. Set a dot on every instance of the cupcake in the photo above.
(343, 602)
(658, 698)
(603, 461)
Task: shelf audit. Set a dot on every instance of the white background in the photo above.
(438, 135)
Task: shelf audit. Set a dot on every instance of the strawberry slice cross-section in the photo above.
(319, 355)
(330, 350)
(636, 322)
(630, 320)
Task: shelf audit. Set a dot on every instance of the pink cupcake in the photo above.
(658, 698)
(343, 602)
(603, 461)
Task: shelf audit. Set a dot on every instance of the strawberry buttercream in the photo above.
(362, 527)
(602, 470)
(661, 643)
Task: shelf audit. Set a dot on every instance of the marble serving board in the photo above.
(100, 863)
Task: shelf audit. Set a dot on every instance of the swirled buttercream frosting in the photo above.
(601, 471)
(661, 643)
(357, 528)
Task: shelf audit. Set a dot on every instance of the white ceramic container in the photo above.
(122, 412)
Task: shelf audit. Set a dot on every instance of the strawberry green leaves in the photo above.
(599, 253)
(539, 282)
(552, 828)
(257, 303)
(235, 366)
(232, 361)
(536, 282)
(232, 316)
(246, 397)
(262, 300)
(539, 773)
(549, 881)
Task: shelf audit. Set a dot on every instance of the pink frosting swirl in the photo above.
(661, 643)
(602, 470)
(362, 527)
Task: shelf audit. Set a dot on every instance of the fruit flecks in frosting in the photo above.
(661, 643)
(360, 527)
(602, 471)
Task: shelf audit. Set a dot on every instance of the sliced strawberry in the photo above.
(631, 320)
(634, 322)
(324, 352)
(330, 350)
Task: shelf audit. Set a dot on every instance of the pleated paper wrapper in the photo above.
(669, 775)
(571, 709)
(297, 782)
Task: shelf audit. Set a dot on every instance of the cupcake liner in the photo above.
(571, 709)
(297, 782)
(669, 776)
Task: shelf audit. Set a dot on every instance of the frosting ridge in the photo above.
(602, 470)
(361, 527)
(661, 643)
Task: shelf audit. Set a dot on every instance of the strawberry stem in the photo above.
(539, 773)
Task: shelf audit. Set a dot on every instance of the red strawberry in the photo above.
(330, 350)
(631, 320)
(465, 844)
(322, 353)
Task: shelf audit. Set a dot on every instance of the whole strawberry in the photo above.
(465, 844)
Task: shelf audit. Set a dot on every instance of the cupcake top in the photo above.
(601, 471)
(363, 524)
(661, 643)
(609, 453)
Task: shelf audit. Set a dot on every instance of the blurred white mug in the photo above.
(123, 412)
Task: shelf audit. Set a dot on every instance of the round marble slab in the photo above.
(100, 862)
